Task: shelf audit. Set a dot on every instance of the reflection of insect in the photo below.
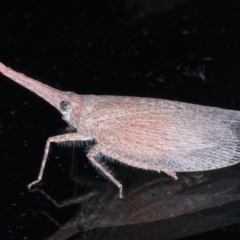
(147, 133)
(158, 204)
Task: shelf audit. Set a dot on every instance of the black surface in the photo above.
(138, 48)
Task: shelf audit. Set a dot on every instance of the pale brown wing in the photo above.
(171, 136)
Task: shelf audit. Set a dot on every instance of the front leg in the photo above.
(57, 139)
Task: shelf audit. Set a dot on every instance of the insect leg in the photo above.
(60, 138)
(94, 151)
(171, 174)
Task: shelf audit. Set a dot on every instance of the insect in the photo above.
(152, 134)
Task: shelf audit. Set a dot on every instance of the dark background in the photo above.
(178, 50)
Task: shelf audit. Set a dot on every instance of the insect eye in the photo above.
(65, 106)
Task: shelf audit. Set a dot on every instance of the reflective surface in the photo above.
(159, 207)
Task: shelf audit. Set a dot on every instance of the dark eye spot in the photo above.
(65, 106)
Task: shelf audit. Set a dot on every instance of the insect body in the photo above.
(152, 134)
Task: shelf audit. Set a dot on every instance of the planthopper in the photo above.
(148, 133)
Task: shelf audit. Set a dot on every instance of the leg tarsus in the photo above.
(121, 192)
(171, 174)
(33, 183)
